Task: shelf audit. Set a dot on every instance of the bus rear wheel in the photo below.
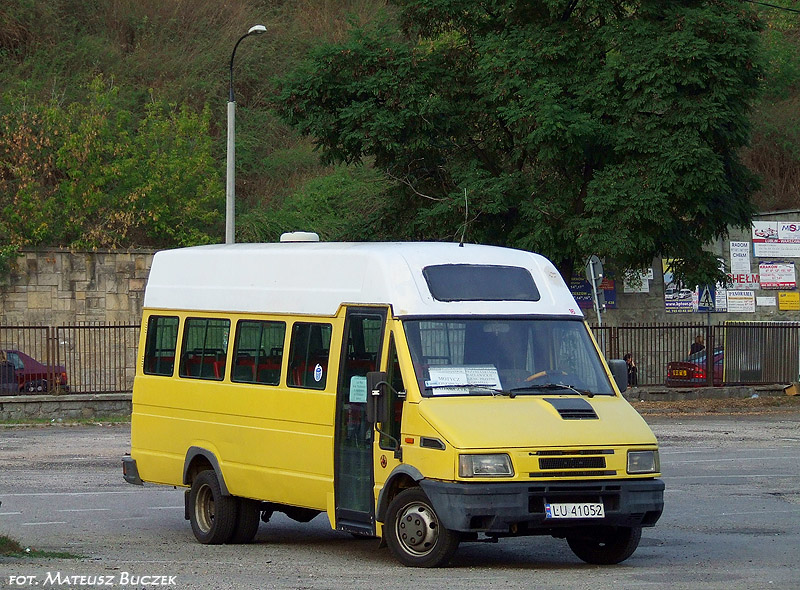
(212, 515)
(248, 517)
(414, 533)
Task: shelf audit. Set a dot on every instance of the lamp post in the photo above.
(230, 179)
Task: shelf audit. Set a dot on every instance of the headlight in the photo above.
(643, 462)
(485, 466)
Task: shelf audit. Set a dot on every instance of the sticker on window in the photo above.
(358, 389)
(318, 373)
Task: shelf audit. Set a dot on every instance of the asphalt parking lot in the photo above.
(732, 520)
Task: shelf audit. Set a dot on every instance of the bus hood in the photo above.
(535, 421)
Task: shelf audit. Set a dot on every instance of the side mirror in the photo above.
(376, 390)
(619, 369)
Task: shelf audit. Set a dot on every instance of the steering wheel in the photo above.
(551, 375)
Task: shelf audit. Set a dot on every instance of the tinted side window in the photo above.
(308, 355)
(258, 351)
(159, 349)
(204, 350)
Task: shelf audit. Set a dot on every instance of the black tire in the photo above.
(606, 545)
(414, 534)
(248, 518)
(212, 515)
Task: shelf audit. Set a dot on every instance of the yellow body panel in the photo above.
(273, 443)
(529, 421)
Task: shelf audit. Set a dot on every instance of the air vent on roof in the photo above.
(300, 236)
(573, 408)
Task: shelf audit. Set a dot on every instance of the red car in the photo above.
(23, 373)
(691, 372)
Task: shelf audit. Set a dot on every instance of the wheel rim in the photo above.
(204, 508)
(417, 529)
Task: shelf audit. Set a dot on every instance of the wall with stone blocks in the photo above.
(50, 287)
(55, 407)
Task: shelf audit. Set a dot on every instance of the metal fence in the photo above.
(102, 358)
(96, 358)
(749, 352)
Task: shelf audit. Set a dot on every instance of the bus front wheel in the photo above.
(414, 534)
(606, 545)
(212, 514)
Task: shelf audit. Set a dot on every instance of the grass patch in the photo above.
(11, 548)
(93, 421)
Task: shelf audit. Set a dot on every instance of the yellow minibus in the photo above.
(427, 394)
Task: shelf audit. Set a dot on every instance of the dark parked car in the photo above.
(23, 373)
(691, 372)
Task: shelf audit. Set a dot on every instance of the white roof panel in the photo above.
(315, 278)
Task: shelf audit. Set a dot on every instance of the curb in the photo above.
(658, 393)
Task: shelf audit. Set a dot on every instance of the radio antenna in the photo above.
(466, 217)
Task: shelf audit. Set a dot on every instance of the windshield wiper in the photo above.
(481, 386)
(495, 391)
(512, 393)
(548, 386)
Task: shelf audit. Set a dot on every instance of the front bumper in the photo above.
(519, 508)
(130, 471)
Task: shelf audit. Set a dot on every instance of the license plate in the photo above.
(679, 373)
(576, 510)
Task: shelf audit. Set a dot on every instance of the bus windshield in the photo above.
(508, 356)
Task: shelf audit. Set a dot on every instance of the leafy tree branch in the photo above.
(577, 128)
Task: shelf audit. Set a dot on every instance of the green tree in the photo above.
(575, 127)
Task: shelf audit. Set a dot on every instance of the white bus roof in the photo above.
(315, 278)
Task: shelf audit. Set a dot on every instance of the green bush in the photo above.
(93, 175)
(344, 205)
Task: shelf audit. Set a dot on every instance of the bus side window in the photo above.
(394, 402)
(308, 355)
(159, 350)
(258, 352)
(204, 348)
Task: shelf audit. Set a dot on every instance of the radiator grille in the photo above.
(573, 473)
(572, 463)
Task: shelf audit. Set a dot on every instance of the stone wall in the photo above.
(49, 287)
(64, 407)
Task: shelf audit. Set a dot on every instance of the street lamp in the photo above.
(230, 180)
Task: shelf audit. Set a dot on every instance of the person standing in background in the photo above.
(633, 378)
(698, 344)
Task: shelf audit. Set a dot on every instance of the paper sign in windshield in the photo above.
(450, 380)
